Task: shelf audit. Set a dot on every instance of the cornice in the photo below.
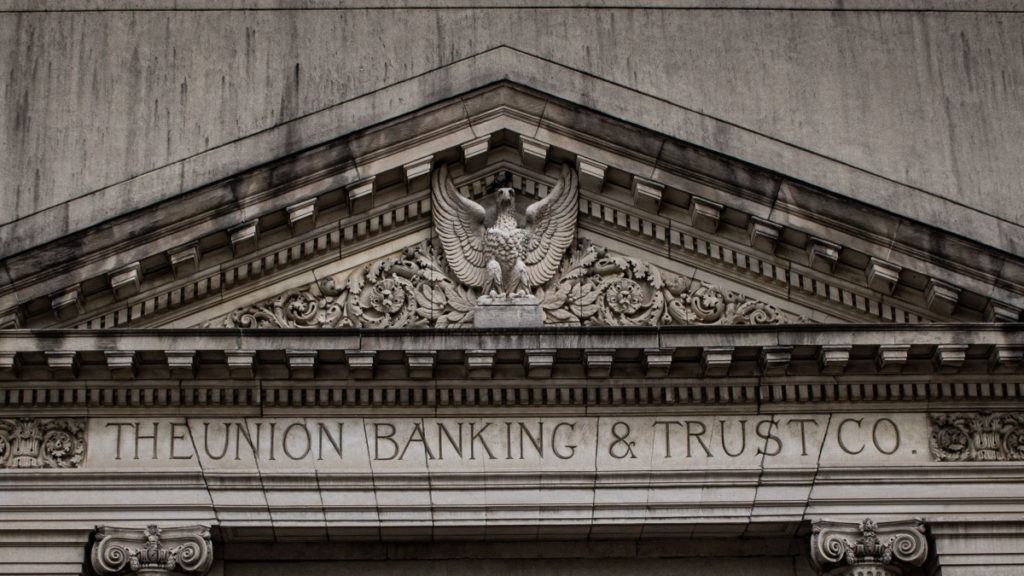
(290, 371)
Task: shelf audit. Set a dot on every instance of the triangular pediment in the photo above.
(665, 233)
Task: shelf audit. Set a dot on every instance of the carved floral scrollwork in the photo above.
(413, 290)
(868, 548)
(42, 443)
(980, 436)
(418, 289)
(596, 288)
(181, 550)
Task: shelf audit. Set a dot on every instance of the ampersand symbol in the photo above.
(625, 447)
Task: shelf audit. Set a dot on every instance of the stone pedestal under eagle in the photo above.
(497, 254)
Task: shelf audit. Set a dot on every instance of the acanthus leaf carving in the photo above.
(417, 289)
(42, 442)
(981, 436)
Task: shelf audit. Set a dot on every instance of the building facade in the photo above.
(547, 290)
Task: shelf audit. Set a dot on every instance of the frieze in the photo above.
(664, 440)
(592, 288)
(42, 443)
(980, 436)
(383, 444)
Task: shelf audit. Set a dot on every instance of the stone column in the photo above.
(154, 551)
(868, 548)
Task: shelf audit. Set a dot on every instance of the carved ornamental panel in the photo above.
(982, 436)
(42, 443)
(592, 288)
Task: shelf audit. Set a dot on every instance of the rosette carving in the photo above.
(42, 443)
(982, 436)
(868, 548)
(182, 550)
(418, 289)
(596, 288)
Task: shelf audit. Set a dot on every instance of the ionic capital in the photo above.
(152, 551)
(867, 548)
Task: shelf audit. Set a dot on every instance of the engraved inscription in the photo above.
(393, 443)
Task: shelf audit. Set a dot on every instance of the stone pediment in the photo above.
(666, 233)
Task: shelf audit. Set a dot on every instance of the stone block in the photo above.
(764, 235)
(949, 357)
(12, 318)
(244, 237)
(10, 364)
(480, 363)
(657, 362)
(121, 363)
(508, 312)
(126, 281)
(62, 363)
(301, 363)
(539, 363)
(832, 359)
(360, 363)
(599, 362)
(241, 363)
(534, 153)
(420, 363)
(474, 153)
(891, 358)
(417, 171)
(68, 303)
(822, 255)
(941, 296)
(716, 360)
(591, 173)
(184, 259)
(1005, 358)
(181, 363)
(705, 214)
(882, 276)
(774, 360)
(360, 195)
(302, 216)
(647, 193)
(1001, 312)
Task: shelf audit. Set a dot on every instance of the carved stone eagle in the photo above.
(496, 254)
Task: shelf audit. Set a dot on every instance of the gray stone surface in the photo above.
(507, 312)
(927, 99)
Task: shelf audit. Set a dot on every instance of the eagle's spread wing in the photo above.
(460, 224)
(551, 223)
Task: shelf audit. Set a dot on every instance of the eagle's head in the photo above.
(502, 183)
(506, 197)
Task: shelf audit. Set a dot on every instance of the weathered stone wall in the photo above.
(926, 98)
